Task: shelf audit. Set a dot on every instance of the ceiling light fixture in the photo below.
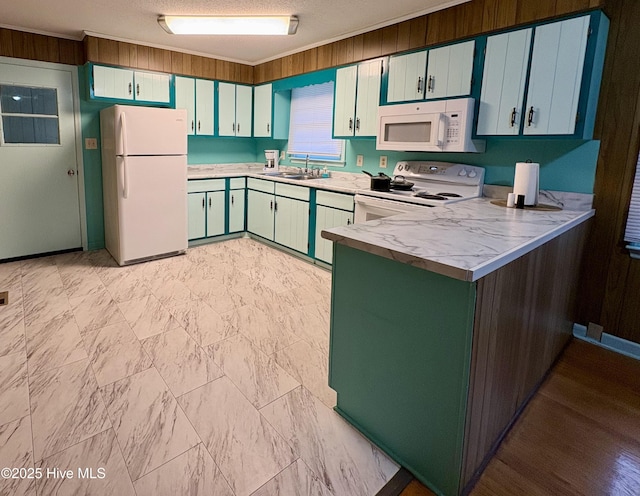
(230, 25)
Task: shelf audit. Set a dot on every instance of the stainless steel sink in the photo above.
(298, 177)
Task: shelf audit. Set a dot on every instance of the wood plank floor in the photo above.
(579, 435)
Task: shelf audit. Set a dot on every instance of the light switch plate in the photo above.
(383, 161)
(359, 160)
(282, 155)
(91, 143)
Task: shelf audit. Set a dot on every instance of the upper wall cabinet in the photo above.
(357, 97)
(262, 111)
(450, 70)
(197, 97)
(448, 73)
(234, 109)
(561, 95)
(127, 84)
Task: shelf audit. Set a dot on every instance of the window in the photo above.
(311, 124)
(29, 115)
(632, 233)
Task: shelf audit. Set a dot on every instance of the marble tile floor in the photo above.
(203, 374)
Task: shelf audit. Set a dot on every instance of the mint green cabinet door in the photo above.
(204, 107)
(449, 70)
(345, 101)
(326, 218)
(226, 109)
(244, 108)
(235, 208)
(186, 99)
(406, 77)
(556, 76)
(260, 213)
(503, 81)
(292, 223)
(215, 213)
(262, 105)
(112, 82)
(197, 215)
(368, 98)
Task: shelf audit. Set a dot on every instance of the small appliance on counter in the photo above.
(272, 157)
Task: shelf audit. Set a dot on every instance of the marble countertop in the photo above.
(344, 182)
(465, 240)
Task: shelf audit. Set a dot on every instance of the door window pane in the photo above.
(29, 115)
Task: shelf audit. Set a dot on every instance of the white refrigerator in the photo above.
(144, 182)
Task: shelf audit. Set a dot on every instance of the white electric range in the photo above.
(435, 183)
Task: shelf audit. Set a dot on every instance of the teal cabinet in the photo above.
(503, 83)
(234, 109)
(196, 96)
(556, 75)
(262, 111)
(206, 208)
(129, 85)
(450, 70)
(357, 97)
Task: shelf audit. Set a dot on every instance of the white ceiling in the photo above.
(136, 21)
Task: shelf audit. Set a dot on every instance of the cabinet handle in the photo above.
(276, 207)
(358, 124)
(238, 127)
(430, 84)
(271, 205)
(209, 202)
(512, 121)
(348, 222)
(419, 85)
(130, 88)
(203, 203)
(231, 199)
(350, 124)
(192, 125)
(233, 127)
(138, 89)
(530, 117)
(198, 125)
(268, 129)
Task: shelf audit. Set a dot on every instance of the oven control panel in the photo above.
(440, 171)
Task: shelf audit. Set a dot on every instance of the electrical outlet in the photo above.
(91, 143)
(359, 160)
(282, 155)
(383, 161)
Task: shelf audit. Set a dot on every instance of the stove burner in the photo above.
(429, 196)
(450, 195)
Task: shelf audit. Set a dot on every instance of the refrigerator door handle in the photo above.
(123, 135)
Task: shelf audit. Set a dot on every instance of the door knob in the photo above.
(71, 172)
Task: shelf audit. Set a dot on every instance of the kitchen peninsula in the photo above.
(443, 324)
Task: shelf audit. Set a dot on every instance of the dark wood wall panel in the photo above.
(462, 21)
(524, 317)
(21, 45)
(611, 280)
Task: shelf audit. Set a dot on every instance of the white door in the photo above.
(204, 107)
(260, 208)
(406, 77)
(326, 218)
(369, 74)
(345, 101)
(39, 201)
(215, 213)
(186, 99)
(262, 111)
(226, 109)
(292, 223)
(236, 210)
(197, 215)
(449, 70)
(111, 82)
(244, 106)
(505, 72)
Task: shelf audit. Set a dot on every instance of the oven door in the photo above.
(369, 208)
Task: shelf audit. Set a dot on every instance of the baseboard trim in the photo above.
(609, 342)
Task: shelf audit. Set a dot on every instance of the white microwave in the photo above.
(434, 126)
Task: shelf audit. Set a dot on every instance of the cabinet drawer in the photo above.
(236, 183)
(195, 185)
(297, 192)
(260, 185)
(335, 200)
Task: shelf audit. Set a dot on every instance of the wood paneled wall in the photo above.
(463, 21)
(611, 279)
(104, 51)
(524, 317)
(21, 45)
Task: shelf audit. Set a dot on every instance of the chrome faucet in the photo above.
(306, 165)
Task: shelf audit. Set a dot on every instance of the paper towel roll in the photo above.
(526, 180)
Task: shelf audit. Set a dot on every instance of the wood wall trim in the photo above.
(524, 317)
(22, 45)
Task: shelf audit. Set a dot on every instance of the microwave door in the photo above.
(411, 132)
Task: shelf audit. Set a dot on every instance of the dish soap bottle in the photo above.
(325, 172)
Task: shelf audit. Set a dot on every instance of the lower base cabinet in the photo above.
(215, 209)
(260, 218)
(332, 210)
(235, 208)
